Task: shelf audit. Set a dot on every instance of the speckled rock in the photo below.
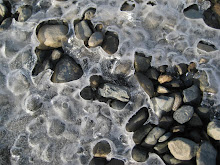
(183, 114)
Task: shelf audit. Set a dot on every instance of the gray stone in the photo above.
(206, 47)
(95, 39)
(114, 91)
(153, 136)
(182, 148)
(87, 93)
(145, 83)
(115, 162)
(195, 121)
(56, 127)
(6, 23)
(206, 155)
(83, 31)
(183, 114)
(161, 148)
(213, 129)
(127, 7)
(89, 14)
(193, 14)
(139, 154)
(137, 120)
(162, 104)
(164, 78)
(25, 13)
(141, 63)
(141, 133)
(192, 95)
(52, 36)
(165, 137)
(115, 104)
(177, 101)
(181, 68)
(66, 70)
(110, 43)
(162, 90)
(152, 73)
(101, 149)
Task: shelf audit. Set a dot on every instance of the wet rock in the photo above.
(162, 90)
(204, 113)
(98, 161)
(66, 70)
(181, 68)
(115, 162)
(115, 104)
(195, 121)
(153, 136)
(183, 114)
(89, 14)
(139, 154)
(192, 95)
(87, 93)
(193, 12)
(83, 31)
(127, 7)
(95, 39)
(152, 73)
(165, 137)
(145, 83)
(6, 23)
(162, 104)
(141, 63)
(182, 148)
(177, 101)
(213, 129)
(175, 83)
(95, 81)
(101, 149)
(164, 78)
(113, 91)
(141, 133)
(165, 122)
(110, 43)
(137, 120)
(206, 155)
(56, 127)
(25, 13)
(195, 136)
(161, 148)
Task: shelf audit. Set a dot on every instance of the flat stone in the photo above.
(141, 63)
(192, 95)
(181, 68)
(177, 101)
(152, 73)
(137, 120)
(83, 31)
(110, 43)
(165, 122)
(145, 83)
(87, 93)
(119, 105)
(66, 70)
(153, 136)
(164, 78)
(114, 91)
(195, 121)
(182, 148)
(139, 154)
(213, 129)
(162, 90)
(162, 104)
(206, 47)
(165, 137)
(95, 39)
(183, 114)
(25, 13)
(206, 154)
(141, 133)
(161, 148)
(101, 149)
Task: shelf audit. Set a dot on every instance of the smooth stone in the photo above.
(89, 14)
(192, 95)
(3, 11)
(145, 83)
(202, 80)
(175, 83)
(141, 133)
(6, 23)
(57, 127)
(161, 148)
(213, 129)
(83, 31)
(195, 136)
(141, 63)
(98, 161)
(164, 78)
(162, 104)
(95, 81)
(181, 68)
(66, 70)
(101, 149)
(152, 73)
(119, 105)
(139, 154)
(153, 136)
(127, 7)
(206, 154)
(87, 93)
(204, 113)
(193, 14)
(56, 55)
(162, 90)
(115, 162)
(183, 114)
(52, 36)
(165, 137)
(110, 43)
(137, 120)
(169, 159)
(195, 121)
(165, 122)
(182, 148)
(177, 101)
(95, 39)
(206, 47)
(25, 13)
(114, 91)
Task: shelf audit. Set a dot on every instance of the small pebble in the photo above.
(89, 14)
(213, 129)
(110, 43)
(177, 101)
(162, 90)
(87, 93)
(141, 133)
(101, 149)
(181, 68)
(83, 31)
(164, 78)
(183, 114)
(192, 95)
(95, 39)
(139, 154)
(141, 63)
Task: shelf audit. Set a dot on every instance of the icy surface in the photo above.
(64, 129)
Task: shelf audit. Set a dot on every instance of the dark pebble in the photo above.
(139, 154)
(192, 95)
(110, 43)
(101, 149)
(115, 162)
(141, 133)
(141, 63)
(165, 122)
(98, 161)
(152, 73)
(161, 148)
(87, 93)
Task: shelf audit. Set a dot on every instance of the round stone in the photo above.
(213, 129)
(83, 31)
(101, 149)
(183, 114)
(110, 43)
(95, 39)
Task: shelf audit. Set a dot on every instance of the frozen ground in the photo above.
(160, 30)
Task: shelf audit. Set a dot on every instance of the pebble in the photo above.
(165, 122)
(192, 67)
(95, 81)
(87, 93)
(115, 162)
(141, 133)
(162, 90)
(165, 137)
(127, 7)
(6, 23)
(177, 101)
(206, 47)
(213, 129)
(181, 68)
(182, 148)
(51, 36)
(162, 104)
(137, 120)
(178, 129)
(175, 83)
(145, 83)
(25, 13)
(139, 154)
(169, 159)
(153, 136)
(195, 136)
(192, 95)
(101, 149)
(161, 148)
(152, 73)
(195, 121)
(83, 31)
(95, 39)
(162, 68)
(188, 79)
(114, 91)
(115, 104)
(206, 154)
(66, 70)
(98, 161)
(57, 127)
(204, 113)
(56, 55)
(110, 43)
(164, 78)
(3, 11)
(183, 114)
(141, 63)
(193, 13)
(89, 14)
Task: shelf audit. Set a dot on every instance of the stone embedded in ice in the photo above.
(82, 30)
